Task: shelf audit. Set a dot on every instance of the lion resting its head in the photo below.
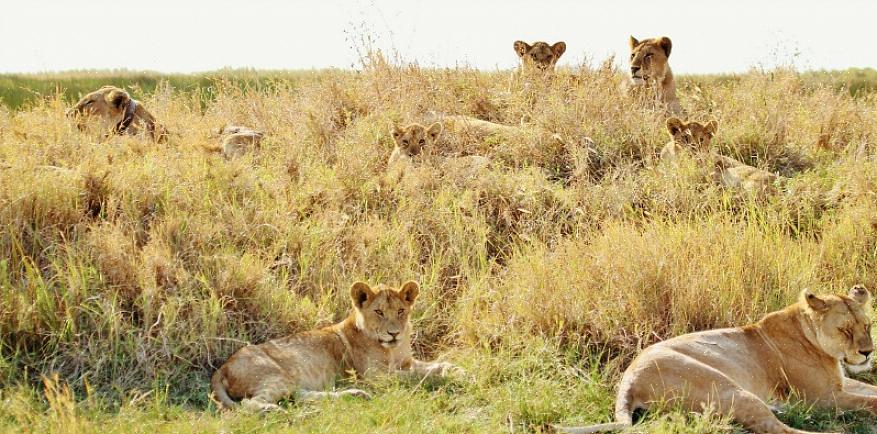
(688, 136)
(737, 371)
(649, 67)
(540, 56)
(120, 113)
(375, 338)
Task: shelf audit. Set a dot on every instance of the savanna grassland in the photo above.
(130, 270)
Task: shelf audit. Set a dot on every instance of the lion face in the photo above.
(841, 325)
(108, 102)
(540, 55)
(692, 134)
(382, 313)
(648, 59)
(412, 139)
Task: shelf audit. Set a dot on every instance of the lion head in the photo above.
(692, 134)
(412, 139)
(840, 324)
(382, 313)
(540, 55)
(648, 59)
(108, 103)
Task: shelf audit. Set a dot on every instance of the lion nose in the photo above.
(866, 353)
(634, 69)
(393, 334)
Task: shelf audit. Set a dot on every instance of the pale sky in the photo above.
(201, 35)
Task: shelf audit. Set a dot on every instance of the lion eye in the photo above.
(401, 312)
(405, 142)
(422, 142)
(632, 56)
(649, 56)
(379, 312)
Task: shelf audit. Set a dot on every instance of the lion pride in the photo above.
(738, 371)
(375, 338)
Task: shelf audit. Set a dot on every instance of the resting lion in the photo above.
(236, 141)
(375, 338)
(691, 136)
(740, 370)
(735, 174)
(539, 56)
(649, 69)
(120, 113)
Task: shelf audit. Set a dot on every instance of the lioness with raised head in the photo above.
(691, 136)
(375, 338)
(738, 371)
(540, 56)
(650, 69)
(120, 113)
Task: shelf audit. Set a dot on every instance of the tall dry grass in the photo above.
(126, 265)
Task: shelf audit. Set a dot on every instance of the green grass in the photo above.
(131, 270)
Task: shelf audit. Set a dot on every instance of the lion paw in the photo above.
(356, 393)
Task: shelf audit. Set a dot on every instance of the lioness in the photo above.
(735, 174)
(540, 56)
(649, 68)
(376, 337)
(120, 113)
(687, 136)
(739, 370)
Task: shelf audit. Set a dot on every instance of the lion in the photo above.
(691, 136)
(375, 338)
(540, 56)
(735, 174)
(649, 68)
(740, 371)
(236, 141)
(411, 140)
(120, 113)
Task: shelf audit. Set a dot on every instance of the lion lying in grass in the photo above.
(120, 113)
(375, 338)
(236, 141)
(740, 370)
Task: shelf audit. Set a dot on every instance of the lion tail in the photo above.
(624, 407)
(220, 394)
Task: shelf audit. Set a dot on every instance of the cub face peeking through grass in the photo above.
(375, 338)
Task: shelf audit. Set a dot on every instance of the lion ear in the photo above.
(558, 49)
(813, 301)
(409, 291)
(666, 44)
(118, 98)
(674, 126)
(396, 132)
(435, 130)
(712, 126)
(360, 293)
(633, 42)
(521, 48)
(861, 295)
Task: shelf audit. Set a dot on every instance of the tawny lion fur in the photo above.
(375, 338)
(739, 371)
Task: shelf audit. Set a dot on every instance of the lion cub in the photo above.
(735, 174)
(375, 338)
(691, 136)
(236, 141)
(411, 140)
(120, 113)
(649, 69)
(540, 56)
